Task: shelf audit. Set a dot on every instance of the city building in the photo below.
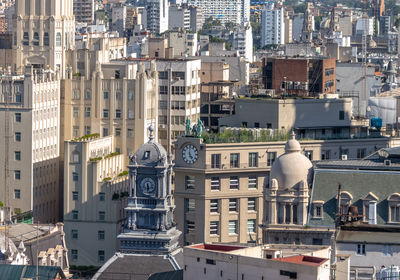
(242, 41)
(224, 11)
(96, 188)
(149, 241)
(42, 34)
(84, 11)
(30, 110)
(300, 76)
(156, 16)
(272, 26)
(182, 43)
(179, 17)
(218, 261)
(118, 18)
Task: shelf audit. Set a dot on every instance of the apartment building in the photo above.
(224, 11)
(43, 31)
(179, 17)
(156, 16)
(95, 194)
(272, 26)
(84, 11)
(219, 181)
(29, 144)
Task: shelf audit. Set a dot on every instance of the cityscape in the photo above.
(200, 139)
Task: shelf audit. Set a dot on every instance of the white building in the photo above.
(156, 15)
(95, 193)
(272, 26)
(222, 10)
(369, 24)
(242, 41)
(179, 17)
(29, 143)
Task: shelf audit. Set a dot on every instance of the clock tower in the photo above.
(150, 226)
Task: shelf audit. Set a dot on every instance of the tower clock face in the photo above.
(147, 185)
(190, 154)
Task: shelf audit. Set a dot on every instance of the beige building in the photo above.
(214, 71)
(29, 108)
(43, 31)
(95, 194)
(219, 186)
(217, 261)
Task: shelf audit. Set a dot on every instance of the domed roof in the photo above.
(151, 153)
(291, 168)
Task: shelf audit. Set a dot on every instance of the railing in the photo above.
(146, 202)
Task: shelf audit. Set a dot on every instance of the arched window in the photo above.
(394, 208)
(58, 39)
(25, 40)
(345, 202)
(36, 39)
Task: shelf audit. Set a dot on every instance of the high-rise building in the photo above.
(43, 31)
(29, 144)
(84, 10)
(156, 15)
(118, 18)
(272, 26)
(224, 10)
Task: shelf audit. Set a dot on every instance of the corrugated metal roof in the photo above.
(8, 271)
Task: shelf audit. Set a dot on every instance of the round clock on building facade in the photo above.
(190, 154)
(147, 185)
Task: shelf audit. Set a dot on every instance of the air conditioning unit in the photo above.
(387, 162)
(344, 157)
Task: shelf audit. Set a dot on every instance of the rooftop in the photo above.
(217, 247)
(304, 260)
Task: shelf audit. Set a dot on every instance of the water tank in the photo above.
(377, 123)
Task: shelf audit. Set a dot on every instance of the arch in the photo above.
(394, 197)
(346, 195)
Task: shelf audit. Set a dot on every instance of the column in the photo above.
(283, 212)
(291, 213)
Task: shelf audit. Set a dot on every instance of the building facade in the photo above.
(96, 188)
(272, 26)
(84, 11)
(156, 16)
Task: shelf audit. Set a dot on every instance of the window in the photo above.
(361, 152)
(233, 227)
(74, 215)
(232, 205)
(88, 94)
(17, 194)
(210, 261)
(105, 113)
(17, 117)
(25, 40)
(74, 234)
(387, 250)
(76, 94)
(17, 155)
(253, 159)
(87, 129)
(74, 254)
(118, 114)
(360, 249)
(17, 136)
(75, 131)
(234, 182)
(36, 39)
(163, 104)
(190, 182)
(163, 89)
(214, 227)
(271, 156)
(309, 154)
(317, 241)
(325, 154)
(105, 94)
(130, 133)
(252, 182)
(17, 174)
(102, 215)
(87, 112)
(75, 177)
(341, 115)
(251, 204)
(76, 112)
(102, 196)
(74, 195)
(163, 75)
(234, 162)
(18, 98)
(214, 206)
(215, 183)
(318, 209)
(216, 161)
(101, 255)
(117, 132)
(130, 114)
(251, 225)
(100, 235)
(190, 204)
(130, 95)
(395, 213)
(190, 226)
(58, 39)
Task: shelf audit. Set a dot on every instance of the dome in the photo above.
(291, 168)
(150, 153)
